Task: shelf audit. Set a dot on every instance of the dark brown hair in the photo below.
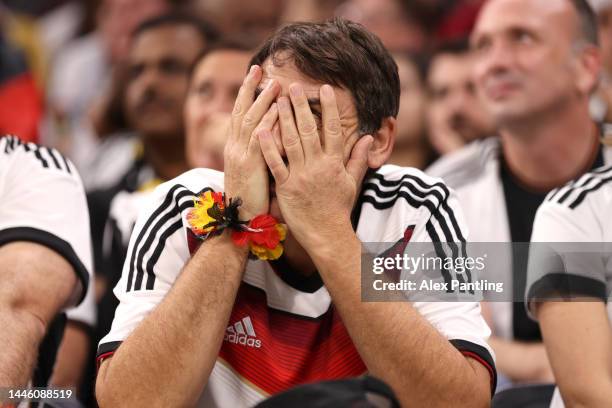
(344, 54)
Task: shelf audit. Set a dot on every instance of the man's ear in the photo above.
(382, 146)
(589, 70)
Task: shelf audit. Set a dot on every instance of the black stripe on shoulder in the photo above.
(41, 159)
(11, 142)
(168, 210)
(441, 214)
(584, 193)
(586, 184)
(159, 247)
(438, 190)
(48, 158)
(53, 158)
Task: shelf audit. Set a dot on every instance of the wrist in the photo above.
(332, 245)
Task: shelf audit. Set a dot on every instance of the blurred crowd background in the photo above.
(132, 111)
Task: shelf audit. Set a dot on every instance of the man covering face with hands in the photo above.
(312, 125)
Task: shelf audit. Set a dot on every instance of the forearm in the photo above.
(32, 293)
(20, 337)
(178, 343)
(578, 339)
(396, 343)
(522, 362)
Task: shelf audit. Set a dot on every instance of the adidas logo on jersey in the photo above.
(242, 332)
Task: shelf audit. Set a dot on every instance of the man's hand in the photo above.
(246, 175)
(317, 191)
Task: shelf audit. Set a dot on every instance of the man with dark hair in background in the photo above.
(159, 60)
(198, 323)
(456, 116)
(537, 63)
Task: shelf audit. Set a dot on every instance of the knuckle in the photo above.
(333, 126)
(308, 128)
(237, 109)
(291, 141)
(248, 120)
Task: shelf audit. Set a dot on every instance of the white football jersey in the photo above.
(43, 201)
(574, 229)
(474, 173)
(284, 331)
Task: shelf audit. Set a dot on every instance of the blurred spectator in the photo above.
(447, 20)
(456, 115)
(537, 63)
(309, 10)
(216, 78)
(412, 148)
(18, 93)
(76, 111)
(602, 102)
(391, 20)
(248, 21)
(163, 49)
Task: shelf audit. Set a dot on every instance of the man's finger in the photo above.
(244, 100)
(258, 109)
(358, 162)
(267, 123)
(272, 157)
(332, 130)
(306, 124)
(289, 134)
(276, 135)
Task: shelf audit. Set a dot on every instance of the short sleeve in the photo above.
(460, 322)
(43, 201)
(157, 252)
(567, 257)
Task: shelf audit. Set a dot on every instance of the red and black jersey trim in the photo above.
(480, 354)
(565, 286)
(53, 242)
(106, 350)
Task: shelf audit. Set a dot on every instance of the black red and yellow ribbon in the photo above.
(211, 214)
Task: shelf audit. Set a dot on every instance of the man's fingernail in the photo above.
(327, 90)
(252, 69)
(295, 90)
(270, 84)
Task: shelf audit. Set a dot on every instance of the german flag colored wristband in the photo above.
(212, 214)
